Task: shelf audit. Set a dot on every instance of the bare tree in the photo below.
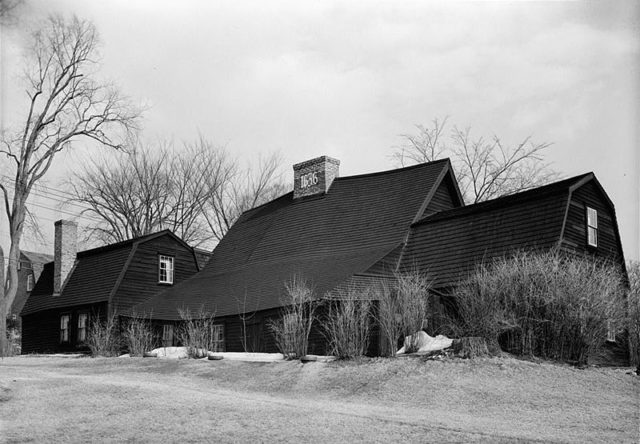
(485, 169)
(8, 10)
(234, 190)
(197, 191)
(66, 103)
(145, 190)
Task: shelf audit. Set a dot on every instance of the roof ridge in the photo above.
(394, 170)
(121, 244)
(490, 204)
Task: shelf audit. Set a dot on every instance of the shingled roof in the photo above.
(325, 239)
(93, 278)
(449, 245)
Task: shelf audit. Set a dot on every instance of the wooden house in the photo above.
(336, 232)
(78, 288)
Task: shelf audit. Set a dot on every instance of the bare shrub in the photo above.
(550, 304)
(633, 314)
(413, 304)
(387, 317)
(291, 330)
(197, 332)
(403, 309)
(139, 336)
(348, 322)
(103, 337)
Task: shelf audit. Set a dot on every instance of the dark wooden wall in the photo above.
(140, 281)
(575, 232)
(41, 330)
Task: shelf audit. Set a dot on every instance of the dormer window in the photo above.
(165, 269)
(592, 227)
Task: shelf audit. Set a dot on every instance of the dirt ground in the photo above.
(53, 399)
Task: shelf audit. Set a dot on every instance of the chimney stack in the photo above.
(314, 176)
(64, 252)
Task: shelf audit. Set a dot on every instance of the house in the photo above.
(30, 267)
(77, 288)
(337, 231)
(332, 231)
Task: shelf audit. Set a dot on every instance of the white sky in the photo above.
(347, 78)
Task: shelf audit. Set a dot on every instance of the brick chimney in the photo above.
(314, 176)
(64, 252)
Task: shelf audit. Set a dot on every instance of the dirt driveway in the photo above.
(152, 400)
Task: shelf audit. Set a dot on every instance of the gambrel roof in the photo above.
(324, 239)
(448, 245)
(95, 276)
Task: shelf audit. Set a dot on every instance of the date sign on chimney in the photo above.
(309, 180)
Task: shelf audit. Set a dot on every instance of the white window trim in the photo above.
(65, 319)
(82, 326)
(217, 337)
(166, 265)
(592, 227)
(167, 334)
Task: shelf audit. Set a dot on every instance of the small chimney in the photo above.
(64, 252)
(314, 176)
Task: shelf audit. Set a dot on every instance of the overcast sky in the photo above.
(347, 78)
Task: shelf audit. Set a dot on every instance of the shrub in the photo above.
(291, 330)
(103, 337)
(403, 309)
(197, 333)
(139, 336)
(633, 313)
(548, 304)
(348, 323)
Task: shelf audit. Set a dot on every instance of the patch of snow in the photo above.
(427, 343)
(171, 352)
(126, 355)
(249, 357)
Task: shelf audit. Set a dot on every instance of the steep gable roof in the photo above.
(448, 245)
(38, 258)
(94, 277)
(324, 239)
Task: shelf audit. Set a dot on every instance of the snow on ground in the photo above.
(428, 343)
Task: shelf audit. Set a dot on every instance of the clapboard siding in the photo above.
(449, 247)
(140, 280)
(575, 234)
(444, 197)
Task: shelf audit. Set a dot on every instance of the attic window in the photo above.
(29, 282)
(592, 227)
(165, 269)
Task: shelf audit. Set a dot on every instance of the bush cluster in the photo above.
(550, 305)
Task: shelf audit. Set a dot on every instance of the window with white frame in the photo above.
(29, 282)
(167, 335)
(611, 331)
(83, 319)
(165, 269)
(592, 227)
(64, 328)
(217, 337)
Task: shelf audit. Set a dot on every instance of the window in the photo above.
(29, 282)
(19, 265)
(611, 332)
(167, 335)
(592, 227)
(82, 327)
(165, 270)
(64, 328)
(217, 337)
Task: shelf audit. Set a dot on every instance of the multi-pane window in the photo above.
(167, 335)
(611, 331)
(592, 227)
(29, 282)
(64, 328)
(83, 319)
(165, 269)
(217, 337)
